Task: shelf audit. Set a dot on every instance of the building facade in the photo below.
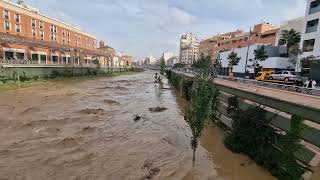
(189, 49)
(29, 37)
(273, 62)
(297, 24)
(167, 55)
(109, 54)
(126, 60)
(263, 33)
(309, 60)
(150, 60)
(172, 61)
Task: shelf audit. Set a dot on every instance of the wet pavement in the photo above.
(123, 127)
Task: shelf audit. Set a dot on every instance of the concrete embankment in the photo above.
(280, 110)
(13, 73)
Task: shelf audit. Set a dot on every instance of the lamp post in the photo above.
(248, 47)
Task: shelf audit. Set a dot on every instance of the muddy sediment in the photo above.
(104, 129)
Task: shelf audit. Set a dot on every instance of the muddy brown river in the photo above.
(123, 127)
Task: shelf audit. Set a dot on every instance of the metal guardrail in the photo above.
(286, 87)
(279, 86)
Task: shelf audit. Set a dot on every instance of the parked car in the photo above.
(286, 76)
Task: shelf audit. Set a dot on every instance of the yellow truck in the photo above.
(264, 75)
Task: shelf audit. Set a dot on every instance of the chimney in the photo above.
(101, 43)
(21, 3)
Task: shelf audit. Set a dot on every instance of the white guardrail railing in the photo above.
(285, 87)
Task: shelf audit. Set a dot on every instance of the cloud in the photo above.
(182, 17)
(145, 27)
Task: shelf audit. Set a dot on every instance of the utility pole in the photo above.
(248, 47)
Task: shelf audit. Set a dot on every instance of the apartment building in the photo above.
(28, 35)
(263, 33)
(189, 49)
(309, 60)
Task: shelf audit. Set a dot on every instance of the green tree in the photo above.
(204, 99)
(260, 54)
(233, 60)
(290, 38)
(162, 66)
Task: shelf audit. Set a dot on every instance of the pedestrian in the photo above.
(309, 83)
(314, 84)
(156, 77)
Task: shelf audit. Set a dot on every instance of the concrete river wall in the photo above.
(28, 72)
(279, 111)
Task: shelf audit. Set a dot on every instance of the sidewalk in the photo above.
(298, 98)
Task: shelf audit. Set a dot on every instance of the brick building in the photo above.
(126, 60)
(109, 52)
(264, 33)
(31, 37)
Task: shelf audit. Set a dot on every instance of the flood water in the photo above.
(109, 128)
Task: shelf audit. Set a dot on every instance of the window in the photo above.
(308, 45)
(312, 26)
(18, 28)
(6, 14)
(17, 18)
(53, 37)
(34, 32)
(7, 25)
(314, 7)
(41, 25)
(33, 22)
(68, 33)
(63, 32)
(54, 29)
(42, 35)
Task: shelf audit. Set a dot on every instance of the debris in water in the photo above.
(137, 118)
(93, 111)
(111, 102)
(71, 93)
(151, 171)
(68, 142)
(157, 109)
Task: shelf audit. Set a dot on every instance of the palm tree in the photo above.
(233, 60)
(291, 38)
(260, 54)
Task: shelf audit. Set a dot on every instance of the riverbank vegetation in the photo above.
(65, 75)
(203, 97)
(252, 132)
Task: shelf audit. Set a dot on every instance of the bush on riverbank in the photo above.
(253, 135)
(181, 84)
(14, 75)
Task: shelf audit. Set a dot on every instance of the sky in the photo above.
(150, 27)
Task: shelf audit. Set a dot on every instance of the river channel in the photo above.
(123, 127)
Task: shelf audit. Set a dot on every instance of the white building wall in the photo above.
(273, 61)
(307, 36)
